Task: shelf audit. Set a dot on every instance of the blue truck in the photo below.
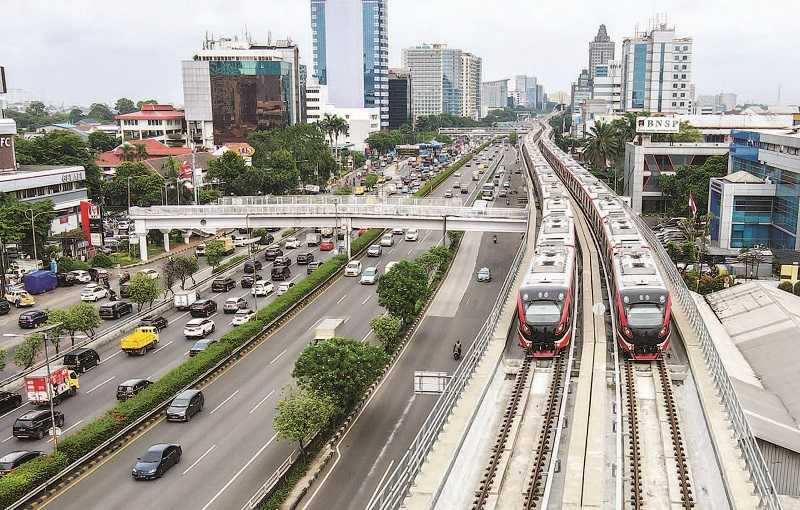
(39, 282)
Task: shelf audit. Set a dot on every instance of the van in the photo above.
(281, 273)
(185, 405)
(81, 359)
(131, 388)
(36, 424)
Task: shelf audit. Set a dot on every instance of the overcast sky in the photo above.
(82, 51)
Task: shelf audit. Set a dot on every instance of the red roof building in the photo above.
(160, 121)
(108, 161)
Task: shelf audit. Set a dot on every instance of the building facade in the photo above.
(399, 98)
(351, 52)
(233, 88)
(361, 121)
(526, 88)
(471, 74)
(494, 96)
(657, 72)
(160, 121)
(601, 50)
(581, 92)
(714, 104)
(607, 84)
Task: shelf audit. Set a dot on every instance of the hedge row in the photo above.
(434, 183)
(228, 264)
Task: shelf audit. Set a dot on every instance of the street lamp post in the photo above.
(129, 197)
(253, 259)
(33, 229)
(45, 332)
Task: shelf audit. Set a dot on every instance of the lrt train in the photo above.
(642, 305)
(546, 298)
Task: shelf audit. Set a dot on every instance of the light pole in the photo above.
(129, 197)
(45, 332)
(253, 259)
(33, 228)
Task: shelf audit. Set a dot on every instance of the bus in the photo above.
(487, 192)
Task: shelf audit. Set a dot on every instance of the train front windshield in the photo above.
(645, 315)
(542, 313)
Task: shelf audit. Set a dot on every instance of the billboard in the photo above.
(658, 125)
(243, 104)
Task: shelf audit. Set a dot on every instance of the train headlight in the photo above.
(627, 331)
(561, 327)
(663, 331)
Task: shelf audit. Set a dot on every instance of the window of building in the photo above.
(674, 103)
(683, 104)
(674, 94)
(683, 94)
(675, 76)
(685, 57)
(683, 77)
(683, 85)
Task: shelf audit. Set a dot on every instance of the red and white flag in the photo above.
(186, 171)
(692, 204)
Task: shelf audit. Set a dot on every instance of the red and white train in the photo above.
(641, 298)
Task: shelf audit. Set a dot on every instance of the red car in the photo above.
(326, 245)
(361, 232)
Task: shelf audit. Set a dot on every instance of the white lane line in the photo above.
(64, 431)
(261, 401)
(411, 251)
(181, 316)
(15, 409)
(102, 383)
(366, 299)
(366, 336)
(186, 353)
(108, 358)
(163, 346)
(238, 473)
(341, 299)
(385, 473)
(9, 438)
(224, 402)
(277, 357)
(199, 459)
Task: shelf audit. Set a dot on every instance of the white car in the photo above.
(242, 316)
(369, 276)
(122, 225)
(240, 239)
(412, 234)
(387, 240)
(353, 268)
(389, 266)
(150, 273)
(292, 242)
(448, 194)
(198, 328)
(284, 287)
(262, 288)
(457, 174)
(200, 250)
(397, 231)
(374, 250)
(93, 292)
(81, 276)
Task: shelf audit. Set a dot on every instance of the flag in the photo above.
(186, 171)
(692, 204)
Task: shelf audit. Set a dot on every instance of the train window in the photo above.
(645, 315)
(542, 312)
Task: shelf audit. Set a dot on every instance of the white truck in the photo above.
(184, 299)
(312, 239)
(63, 383)
(327, 329)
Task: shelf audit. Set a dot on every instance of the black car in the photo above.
(5, 306)
(115, 310)
(223, 284)
(464, 190)
(156, 461)
(251, 266)
(312, 266)
(271, 254)
(282, 261)
(81, 359)
(31, 319)
(156, 321)
(304, 258)
(203, 308)
(36, 424)
(273, 229)
(185, 405)
(131, 388)
(65, 279)
(266, 239)
(280, 273)
(13, 460)
(124, 290)
(9, 401)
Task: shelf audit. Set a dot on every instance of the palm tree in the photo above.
(326, 126)
(340, 127)
(601, 146)
(128, 152)
(141, 152)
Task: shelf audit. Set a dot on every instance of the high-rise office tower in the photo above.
(471, 86)
(526, 88)
(399, 98)
(494, 96)
(601, 49)
(351, 52)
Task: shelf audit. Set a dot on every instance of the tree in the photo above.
(402, 288)
(182, 267)
(601, 147)
(512, 138)
(124, 105)
(796, 290)
(102, 142)
(433, 260)
(686, 134)
(101, 112)
(141, 152)
(26, 353)
(443, 120)
(371, 180)
(387, 328)
(139, 104)
(215, 252)
(301, 414)
(15, 224)
(675, 189)
(340, 368)
(75, 115)
(143, 290)
(225, 172)
(381, 141)
(85, 318)
(102, 260)
(146, 186)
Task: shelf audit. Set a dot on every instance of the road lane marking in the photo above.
(163, 346)
(9, 438)
(238, 473)
(411, 251)
(372, 499)
(102, 383)
(186, 353)
(366, 336)
(199, 459)
(341, 299)
(224, 402)
(108, 358)
(16, 408)
(64, 431)
(277, 357)
(261, 401)
(366, 299)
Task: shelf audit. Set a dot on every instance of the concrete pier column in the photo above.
(165, 233)
(143, 246)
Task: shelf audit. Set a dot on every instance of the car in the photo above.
(387, 240)
(20, 297)
(115, 310)
(125, 290)
(198, 328)
(185, 405)
(81, 276)
(412, 234)
(502, 193)
(353, 268)
(12, 460)
(249, 279)
(5, 306)
(262, 288)
(389, 266)
(457, 174)
(131, 388)
(234, 304)
(397, 231)
(456, 185)
(93, 292)
(31, 319)
(98, 273)
(369, 276)
(266, 239)
(150, 273)
(284, 287)
(304, 258)
(272, 253)
(464, 190)
(201, 345)
(326, 245)
(251, 266)
(280, 273)
(291, 243)
(65, 280)
(157, 321)
(36, 424)
(223, 284)
(375, 250)
(282, 262)
(156, 461)
(200, 250)
(312, 266)
(448, 194)
(203, 308)
(484, 275)
(81, 359)
(123, 225)
(9, 401)
(240, 240)
(242, 316)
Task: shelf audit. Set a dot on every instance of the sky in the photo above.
(85, 51)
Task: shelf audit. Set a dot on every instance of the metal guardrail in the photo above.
(265, 489)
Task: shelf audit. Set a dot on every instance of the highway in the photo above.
(230, 448)
(382, 432)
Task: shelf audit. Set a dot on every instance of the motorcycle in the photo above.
(494, 239)
(457, 354)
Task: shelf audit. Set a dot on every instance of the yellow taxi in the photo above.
(20, 298)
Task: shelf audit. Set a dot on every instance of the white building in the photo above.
(526, 88)
(361, 121)
(160, 121)
(601, 50)
(471, 85)
(715, 103)
(494, 96)
(657, 72)
(607, 84)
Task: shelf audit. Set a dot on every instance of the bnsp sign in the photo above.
(657, 125)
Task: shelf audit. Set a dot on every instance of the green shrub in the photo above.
(797, 288)
(30, 475)
(67, 264)
(102, 260)
(229, 264)
(786, 286)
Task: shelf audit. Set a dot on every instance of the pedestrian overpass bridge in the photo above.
(325, 211)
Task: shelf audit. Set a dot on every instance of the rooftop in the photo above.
(153, 112)
(155, 149)
(743, 177)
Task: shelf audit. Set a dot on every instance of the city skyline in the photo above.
(719, 55)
